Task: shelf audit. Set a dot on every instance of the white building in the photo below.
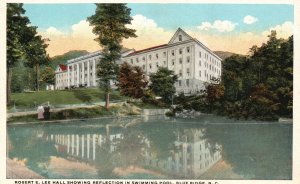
(192, 61)
(80, 71)
(61, 77)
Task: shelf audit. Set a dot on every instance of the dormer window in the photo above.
(180, 38)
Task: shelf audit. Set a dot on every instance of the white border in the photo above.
(296, 127)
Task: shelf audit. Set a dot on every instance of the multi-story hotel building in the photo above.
(193, 62)
(79, 72)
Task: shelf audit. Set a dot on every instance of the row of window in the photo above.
(61, 80)
(180, 51)
(210, 67)
(214, 61)
(59, 76)
(187, 82)
(75, 73)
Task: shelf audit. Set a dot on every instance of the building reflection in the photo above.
(190, 155)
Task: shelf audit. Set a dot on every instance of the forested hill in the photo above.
(62, 59)
(224, 54)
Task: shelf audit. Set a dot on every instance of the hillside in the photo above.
(62, 59)
(224, 54)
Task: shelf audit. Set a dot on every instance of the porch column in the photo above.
(88, 73)
(68, 77)
(94, 72)
(73, 75)
(77, 68)
(82, 73)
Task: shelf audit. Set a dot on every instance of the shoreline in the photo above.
(68, 120)
(285, 122)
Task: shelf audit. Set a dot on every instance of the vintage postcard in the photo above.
(149, 93)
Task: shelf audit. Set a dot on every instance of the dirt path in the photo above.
(15, 114)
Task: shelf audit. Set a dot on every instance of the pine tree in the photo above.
(109, 24)
(16, 23)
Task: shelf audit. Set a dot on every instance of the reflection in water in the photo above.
(154, 149)
(190, 156)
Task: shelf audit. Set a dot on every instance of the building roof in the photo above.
(147, 49)
(171, 44)
(63, 67)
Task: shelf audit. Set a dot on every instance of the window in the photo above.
(188, 49)
(188, 59)
(157, 64)
(199, 54)
(180, 73)
(200, 73)
(180, 38)
(164, 62)
(173, 61)
(150, 57)
(200, 63)
(180, 51)
(143, 58)
(150, 66)
(173, 53)
(188, 72)
(179, 82)
(143, 67)
(180, 60)
(137, 59)
(156, 56)
(165, 54)
(187, 82)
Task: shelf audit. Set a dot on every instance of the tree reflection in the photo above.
(257, 151)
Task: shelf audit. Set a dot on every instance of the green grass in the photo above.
(60, 97)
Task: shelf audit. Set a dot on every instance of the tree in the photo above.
(132, 81)
(16, 26)
(162, 83)
(109, 24)
(48, 75)
(36, 54)
(23, 43)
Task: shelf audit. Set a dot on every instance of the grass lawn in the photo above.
(60, 97)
